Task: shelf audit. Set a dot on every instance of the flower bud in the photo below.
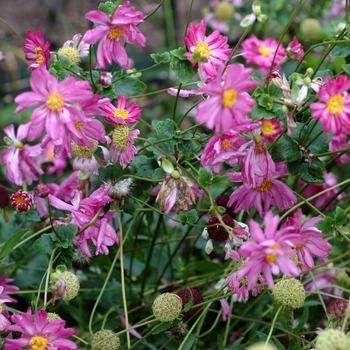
(185, 295)
(310, 28)
(175, 174)
(42, 190)
(337, 308)
(332, 339)
(167, 307)
(219, 233)
(290, 293)
(106, 78)
(261, 346)
(22, 201)
(224, 11)
(104, 340)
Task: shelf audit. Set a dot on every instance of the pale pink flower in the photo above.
(312, 244)
(76, 42)
(182, 93)
(270, 129)
(122, 26)
(48, 160)
(330, 181)
(38, 333)
(134, 332)
(57, 113)
(21, 160)
(36, 50)
(226, 309)
(229, 103)
(7, 288)
(209, 51)
(268, 252)
(261, 53)
(295, 50)
(334, 109)
(121, 113)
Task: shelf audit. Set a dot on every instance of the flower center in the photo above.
(264, 51)
(226, 144)
(78, 125)
(39, 56)
(271, 257)
(38, 343)
(115, 33)
(55, 102)
(84, 151)
(229, 98)
(267, 128)
(260, 148)
(336, 104)
(300, 245)
(71, 53)
(122, 113)
(265, 186)
(203, 49)
(18, 144)
(120, 136)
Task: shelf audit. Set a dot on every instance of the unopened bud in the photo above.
(42, 190)
(22, 201)
(105, 78)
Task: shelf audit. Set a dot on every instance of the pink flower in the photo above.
(134, 332)
(83, 48)
(312, 244)
(268, 253)
(100, 233)
(228, 103)
(21, 160)
(4, 283)
(330, 181)
(334, 110)
(226, 309)
(226, 148)
(38, 333)
(122, 26)
(22, 201)
(122, 114)
(270, 129)
(57, 113)
(36, 49)
(48, 160)
(1, 56)
(295, 50)
(210, 51)
(123, 144)
(337, 142)
(261, 53)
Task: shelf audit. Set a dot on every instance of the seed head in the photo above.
(120, 136)
(290, 293)
(167, 307)
(222, 201)
(71, 53)
(337, 308)
(51, 316)
(310, 28)
(84, 151)
(72, 285)
(104, 340)
(332, 339)
(224, 11)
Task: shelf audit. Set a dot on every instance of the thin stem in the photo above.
(12, 30)
(273, 325)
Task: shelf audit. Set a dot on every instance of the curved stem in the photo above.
(273, 325)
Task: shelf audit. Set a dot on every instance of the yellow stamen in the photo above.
(115, 33)
(78, 125)
(203, 49)
(260, 148)
(38, 343)
(122, 113)
(229, 98)
(267, 128)
(300, 245)
(39, 57)
(265, 186)
(270, 258)
(226, 144)
(264, 51)
(55, 102)
(336, 104)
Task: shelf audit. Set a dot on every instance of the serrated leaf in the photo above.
(145, 166)
(204, 177)
(326, 225)
(166, 146)
(286, 149)
(346, 68)
(219, 184)
(107, 7)
(11, 242)
(183, 69)
(159, 174)
(190, 217)
(44, 244)
(109, 92)
(67, 232)
(64, 60)
(65, 258)
(179, 53)
(341, 50)
(129, 86)
(110, 173)
(340, 217)
(311, 174)
(32, 216)
(165, 128)
(164, 57)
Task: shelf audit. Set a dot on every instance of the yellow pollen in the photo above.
(260, 148)
(38, 49)
(39, 58)
(270, 258)
(120, 136)
(115, 33)
(55, 102)
(226, 144)
(122, 113)
(78, 125)
(20, 201)
(38, 343)
(203, 49)
(336, 104)
(300, 245)
(229, 98)
(264, 51)
(275, 246)
(268, 128)
(50, 155)
(265, 186)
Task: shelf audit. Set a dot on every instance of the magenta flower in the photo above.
(295, 50)
(210, 51)
(122, 114)
(269, 252)
(337, 142)
(270, 129)
(312, 244)
(334, 110)
(21, 160)
(4, 283)
(38, 333)
(57, 113)
(262, 53)
(36, 49)
(229, 103)
(122, 26)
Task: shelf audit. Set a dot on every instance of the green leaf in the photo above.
(110, 173)
(204, 178)
(164, 326)
(165, 128)
(326, 225)
(107, 7)
(341, 50)
(65, 257)
(109, 92)
(179, 53)
(183, 69)
(302, 320)
(188, 342)
(166, 146)
(129, 86)
(64, 60)
(164, 57)
(340, 217)
(311, 174)
(145, 166)
(219, 184)
(58, 71)
(190, 217)
(44, 244)
(346, 68)
(207, 266)
(159, 174)
(11, 242)
(32, 216)
(67, 232)
(278, 344)
(286, 149)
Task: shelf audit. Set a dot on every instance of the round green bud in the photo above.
(224, 11)
(261, 346)
(332, 339)
(290, 293)
(167, 307)
(343, 279)
(105, 340)
(307, 80)
(55, 276)
(310, 28)
(309, 71)
(175, 174)
(72, 285)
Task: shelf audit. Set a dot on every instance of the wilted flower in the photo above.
(295, 50)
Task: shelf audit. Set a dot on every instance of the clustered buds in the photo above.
(22, 201)
(104, 340)
(290, 293)
(167, 307)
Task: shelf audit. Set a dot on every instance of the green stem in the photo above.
(273, 325)
(12, 30)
